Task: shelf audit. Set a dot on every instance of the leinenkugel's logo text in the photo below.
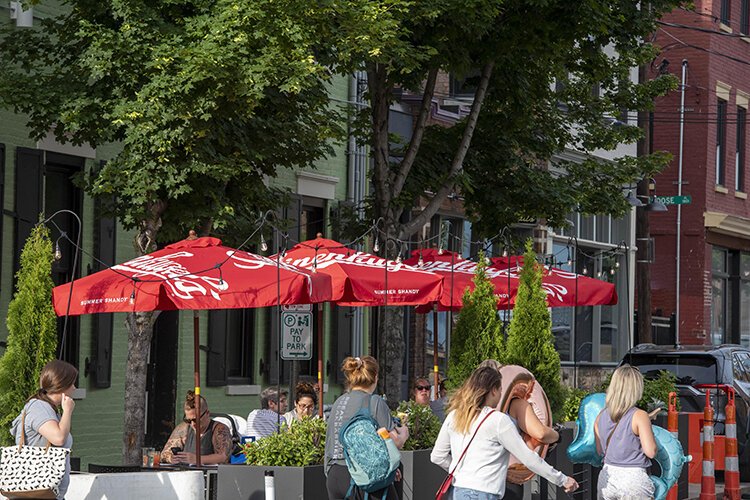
(187, 285)
(556, 290)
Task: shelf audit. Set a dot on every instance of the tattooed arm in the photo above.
(222, 443)
(176, 440)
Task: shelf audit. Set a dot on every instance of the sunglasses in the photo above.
(191, 420)
(422, 387)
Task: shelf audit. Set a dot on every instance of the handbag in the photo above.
(31, 471)
(448, 481)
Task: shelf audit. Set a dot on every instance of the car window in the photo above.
(739, 362)
(689, 369)
(746, 365)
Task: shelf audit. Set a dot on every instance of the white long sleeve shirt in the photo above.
(485, 466)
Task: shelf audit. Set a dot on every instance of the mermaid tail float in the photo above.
(669, 454)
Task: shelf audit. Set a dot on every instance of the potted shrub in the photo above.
(421, 478)
(295, 455)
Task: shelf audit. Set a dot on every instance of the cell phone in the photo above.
(176, 450)
(397, 421)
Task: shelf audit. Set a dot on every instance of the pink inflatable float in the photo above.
(518, 382)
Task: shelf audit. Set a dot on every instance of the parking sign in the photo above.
(296, 335)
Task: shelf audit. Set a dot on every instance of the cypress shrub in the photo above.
(530, 340)
(32, 330)
(478, 332)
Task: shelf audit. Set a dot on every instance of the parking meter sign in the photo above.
(296, 335)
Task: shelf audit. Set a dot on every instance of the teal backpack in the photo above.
(372, 461)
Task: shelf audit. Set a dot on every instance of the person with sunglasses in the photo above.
(216, 440)
(421, 392)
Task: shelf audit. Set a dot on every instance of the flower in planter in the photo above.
(300, 445)
(423, 425)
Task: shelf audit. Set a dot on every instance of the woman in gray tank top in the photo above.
(625, 437)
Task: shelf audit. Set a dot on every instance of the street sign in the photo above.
(685, 199)
(296, 335)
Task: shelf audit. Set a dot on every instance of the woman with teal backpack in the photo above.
(361, 379)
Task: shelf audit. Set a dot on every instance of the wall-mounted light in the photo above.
(24, 18)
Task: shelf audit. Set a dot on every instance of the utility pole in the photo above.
(643, 231)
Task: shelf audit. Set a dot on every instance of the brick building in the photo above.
(712, 301)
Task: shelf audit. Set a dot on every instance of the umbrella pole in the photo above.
(197, 376)
(435, 350)
(320, 360)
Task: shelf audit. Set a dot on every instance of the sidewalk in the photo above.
(694, 490)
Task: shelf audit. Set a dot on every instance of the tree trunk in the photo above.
(391, 349)
(140, 331)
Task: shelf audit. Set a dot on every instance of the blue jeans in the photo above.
(469, 494)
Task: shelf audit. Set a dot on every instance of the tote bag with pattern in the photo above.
(31, 471)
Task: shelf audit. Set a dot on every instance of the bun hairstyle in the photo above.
(190, 401)
(305, 390)
(360, 371)
(56, 377)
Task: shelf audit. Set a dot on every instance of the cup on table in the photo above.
(157, 459)
(148, 456)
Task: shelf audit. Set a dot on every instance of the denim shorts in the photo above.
(469, 494)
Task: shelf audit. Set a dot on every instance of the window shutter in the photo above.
(344, 327)
(216, 366)
(29, 171)
(105, 249)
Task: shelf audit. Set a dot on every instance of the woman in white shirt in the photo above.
(482, 471)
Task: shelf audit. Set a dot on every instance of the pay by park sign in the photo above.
(296, 332)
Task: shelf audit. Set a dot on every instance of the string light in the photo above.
(315, 264)
(420, 262)
(612, 271)
(505, 252)
(585, 271)
(132, 297)
(58, 253)
(376, 246)
(263, 245)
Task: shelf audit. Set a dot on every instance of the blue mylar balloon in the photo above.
(669, 454)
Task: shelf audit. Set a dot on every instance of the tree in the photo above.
(206, 98)
(478, 334)
(32, 330)
(530, 340)
(532, 98)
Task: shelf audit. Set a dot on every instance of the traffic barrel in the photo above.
(731, 458)
(672, 418)
(708, 481)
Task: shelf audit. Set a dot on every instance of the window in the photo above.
(592, 334)
(721, 139)
(744, 299)
(231, 333)
(719, 295)
(726, 7)
(739, 157)
(744, 13)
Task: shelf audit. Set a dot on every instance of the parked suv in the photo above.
(692, 365)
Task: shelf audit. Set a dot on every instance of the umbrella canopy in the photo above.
(458, 275)
(361, 279)
(192, 274)
(563, 288)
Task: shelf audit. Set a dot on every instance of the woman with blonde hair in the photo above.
(42, 424)
(480, 470)
(361, 379)
(625, 437)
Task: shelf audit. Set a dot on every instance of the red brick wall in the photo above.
(699, 179)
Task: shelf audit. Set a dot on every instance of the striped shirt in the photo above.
(262, 423)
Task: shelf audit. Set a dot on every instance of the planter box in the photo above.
(247, 482)
(422, 478)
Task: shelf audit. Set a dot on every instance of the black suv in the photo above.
(723, 364)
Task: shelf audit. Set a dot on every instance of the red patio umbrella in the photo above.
(195, 274)
(362, 279)
(563, 288)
